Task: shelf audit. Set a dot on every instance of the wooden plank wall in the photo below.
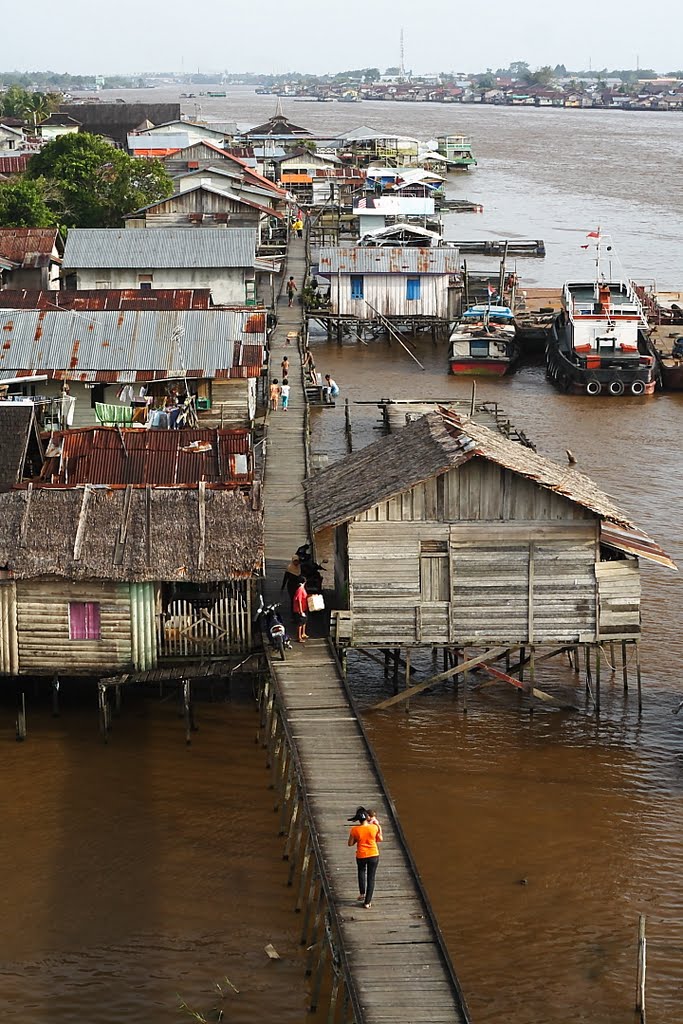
(619, 598)
(43, 628)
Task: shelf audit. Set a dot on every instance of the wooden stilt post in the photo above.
(55, 696)
(642, 968)
(280, 765)
(21, 717)
(103, 710)
(334, 995)
(435, 659)
(598, 653)
(638, 680)
(624, 666)
(407, 702)
(532, 678)
(464, 686)
(612, 657)
(293, 822)
(397, 660)
(589, 677)
(187, 712)
(315, 932)
(387, 657)
(117, 700)
(317, 982)
(311, 901)
(295, 853)
(305, 863)
(284, 787)
(455, 659)
(522, 659)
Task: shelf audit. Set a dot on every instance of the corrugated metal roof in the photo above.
(159, 248)
(73, 345)
(389, 260)
(104, 455)
(14, 164)
(29, 247)
(102, 298)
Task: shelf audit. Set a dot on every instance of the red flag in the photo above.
(593, 234)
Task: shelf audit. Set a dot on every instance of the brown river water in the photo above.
(140, 872)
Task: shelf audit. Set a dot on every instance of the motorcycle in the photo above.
(311, 571)
(277, 633)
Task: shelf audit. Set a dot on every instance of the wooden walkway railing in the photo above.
(389, 963)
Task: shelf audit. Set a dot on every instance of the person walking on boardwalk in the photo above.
(284, 393)
(291, 288)
(366, 836)
(300, 609)
(284, 366)
(274, 394)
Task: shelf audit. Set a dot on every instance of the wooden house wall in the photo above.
(233, 402)
(477, 555)
(619, 599)
(43, 628)
(176, 211)
(388, 294)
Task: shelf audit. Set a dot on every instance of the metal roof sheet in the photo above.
(389, 260)
(104, 455)
(107, 298)
(159, 248)
(197, 342)
(29, 247)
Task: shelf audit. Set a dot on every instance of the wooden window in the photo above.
(413, 288)
(434, 571)
(84, 620)
(357, 286)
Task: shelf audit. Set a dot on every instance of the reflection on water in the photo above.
(142, 869)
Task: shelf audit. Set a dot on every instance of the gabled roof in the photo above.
(435, 444)
(234, 181)
(209, 190)
(278, 124)
(30, 248)
(159, 248)
(58, 119)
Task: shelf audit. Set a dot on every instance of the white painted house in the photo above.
(404, 281)
(221, 259)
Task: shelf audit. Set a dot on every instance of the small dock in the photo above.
(533, 247)
(389, 963)
(397, 412)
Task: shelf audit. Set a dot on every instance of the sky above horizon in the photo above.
(130, 37)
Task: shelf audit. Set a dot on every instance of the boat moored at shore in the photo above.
(483, 342)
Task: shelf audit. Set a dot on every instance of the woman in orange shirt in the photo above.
(365, 837)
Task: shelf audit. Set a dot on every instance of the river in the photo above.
(142, 869)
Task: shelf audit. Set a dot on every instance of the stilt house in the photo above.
(447, 533)
(151, 562)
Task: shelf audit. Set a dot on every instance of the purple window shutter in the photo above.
(77, 621)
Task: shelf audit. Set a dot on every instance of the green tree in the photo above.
(98, 184)
(543, 76)
(393, 72)
(29, 106)
(23, 204)
(485, 81)
(518, 69)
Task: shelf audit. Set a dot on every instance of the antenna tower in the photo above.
(402, 73)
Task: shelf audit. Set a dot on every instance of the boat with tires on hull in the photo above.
(599, 343)
(483, 342)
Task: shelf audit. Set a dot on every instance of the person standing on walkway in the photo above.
(365, 837)
(300, 609)
(291, 288)
(284, 393)
(274, 394)
(284, 366)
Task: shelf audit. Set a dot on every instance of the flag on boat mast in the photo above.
(594, 234)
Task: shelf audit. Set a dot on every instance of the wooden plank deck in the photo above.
(399, 969)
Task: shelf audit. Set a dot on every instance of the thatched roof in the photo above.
(76, 533)
(19, 439)
(435, 444)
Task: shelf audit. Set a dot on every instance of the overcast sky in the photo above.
(126, 36)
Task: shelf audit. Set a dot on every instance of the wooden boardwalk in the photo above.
(390, 961)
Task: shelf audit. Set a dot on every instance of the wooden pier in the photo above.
(389, 963)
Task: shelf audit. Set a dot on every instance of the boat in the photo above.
(457, 149)
(665, 314)
(483, 342)
(599, 342)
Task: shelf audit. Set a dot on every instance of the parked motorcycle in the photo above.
(275, 627)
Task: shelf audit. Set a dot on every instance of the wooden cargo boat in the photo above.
(483, 342)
